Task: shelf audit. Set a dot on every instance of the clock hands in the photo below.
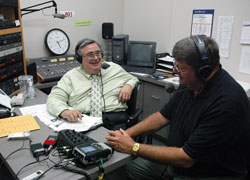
(61, 40)
(58, 42)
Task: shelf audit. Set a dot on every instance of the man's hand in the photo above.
(121, 141)
(125, 93)
(71, 115)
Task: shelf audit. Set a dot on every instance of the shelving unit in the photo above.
(12, 56)
(164, 63)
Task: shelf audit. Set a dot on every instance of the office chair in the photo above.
(133, 111)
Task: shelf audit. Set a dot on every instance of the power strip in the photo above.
(33, 175)
(20, 135)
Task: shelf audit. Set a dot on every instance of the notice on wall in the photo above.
(224, 34)
(82, 22)
(67, 14)
(245, 34)
(245, 60)
(202, 22)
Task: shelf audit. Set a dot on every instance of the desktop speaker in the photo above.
(107, 30)
(120, 49)
(32, 70)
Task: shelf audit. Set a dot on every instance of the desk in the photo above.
(114, 167)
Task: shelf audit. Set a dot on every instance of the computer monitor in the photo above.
(141, 53)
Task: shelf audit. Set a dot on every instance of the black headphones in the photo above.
(204, 70)
(82, 44)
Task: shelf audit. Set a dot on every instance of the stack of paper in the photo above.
(58, 124)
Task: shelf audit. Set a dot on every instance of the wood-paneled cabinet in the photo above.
(12, 56)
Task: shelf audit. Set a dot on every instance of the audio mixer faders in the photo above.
(53, 68)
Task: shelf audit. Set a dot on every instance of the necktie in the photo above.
(96, 97)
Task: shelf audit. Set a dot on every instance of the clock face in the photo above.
(57, 41)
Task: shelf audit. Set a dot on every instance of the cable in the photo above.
(21, 148)
(105, 121)
(101, 169)
(47, 171)
(104, 105)
(76, 171)
(30, 164)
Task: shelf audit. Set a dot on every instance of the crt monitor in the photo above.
(141, 53)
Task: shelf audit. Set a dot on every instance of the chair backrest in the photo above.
(133, 111)
(133, 99)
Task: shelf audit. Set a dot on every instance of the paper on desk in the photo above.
(40, 111)
(83, 125)
(4, 99)
(136, 73)
(17, 124)
(57, 124)
(167, 58)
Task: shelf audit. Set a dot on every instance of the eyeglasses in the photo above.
(178, 69)
(91, 55)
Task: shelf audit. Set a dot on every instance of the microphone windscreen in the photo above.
(61, 16)
(105, 65)
(169, 88)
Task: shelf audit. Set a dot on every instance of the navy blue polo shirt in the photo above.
(212, 127)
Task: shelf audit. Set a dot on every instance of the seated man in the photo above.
(208, 118)
(72, 94)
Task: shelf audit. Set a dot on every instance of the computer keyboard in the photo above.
(139, 69)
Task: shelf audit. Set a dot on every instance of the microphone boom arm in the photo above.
(31, 9)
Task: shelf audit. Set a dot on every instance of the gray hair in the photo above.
(84, 42)
(186, 49)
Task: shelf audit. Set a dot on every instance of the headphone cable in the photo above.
(104, 105)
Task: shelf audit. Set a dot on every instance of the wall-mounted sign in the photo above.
(202, 22)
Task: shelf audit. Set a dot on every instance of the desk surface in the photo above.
(24, 157)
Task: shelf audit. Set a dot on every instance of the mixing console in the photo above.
(53, 68)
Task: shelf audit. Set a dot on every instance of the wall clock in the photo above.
(57, 41)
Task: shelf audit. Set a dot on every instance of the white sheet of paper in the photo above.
(245, 60)
(41, 112)
(83, 125)
(5, 100)
(245, 33)
(224, 34)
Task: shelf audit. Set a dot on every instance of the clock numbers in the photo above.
(57, 42)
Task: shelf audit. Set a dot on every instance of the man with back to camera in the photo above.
(209, 122)
(72, 95)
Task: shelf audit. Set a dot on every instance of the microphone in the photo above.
(105, 65)
(61, 16)
(170, 88)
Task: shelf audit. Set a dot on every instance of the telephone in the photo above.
(5, 106)
(4, 112)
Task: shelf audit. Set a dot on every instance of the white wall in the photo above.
(167, 21)
(36, 25)
(149, 20)
(163, 21)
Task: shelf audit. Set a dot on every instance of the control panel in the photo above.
(53, 68)
(85, 149)
(72, 138)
